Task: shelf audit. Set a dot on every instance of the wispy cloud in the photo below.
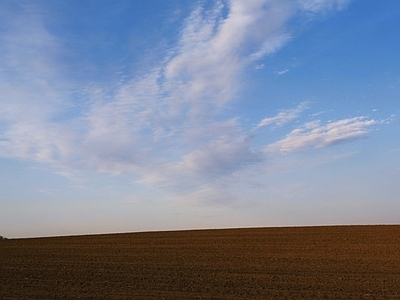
(283, 117)
(313, 134)
(282, 72)
(318, 5)
(215, 161)
(33, 89)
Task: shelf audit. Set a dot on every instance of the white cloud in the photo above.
(227, 153)
(221, 157)
(313, 134)
(282, 72)
(260, 67)
(32, 91)
(283, 117)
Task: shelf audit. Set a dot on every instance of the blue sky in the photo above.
(120, 116)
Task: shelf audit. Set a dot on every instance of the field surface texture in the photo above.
(333, 262)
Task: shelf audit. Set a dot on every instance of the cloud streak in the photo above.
(321, 5)
(315, 135)
(283, 117)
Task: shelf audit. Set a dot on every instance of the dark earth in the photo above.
(331, 262)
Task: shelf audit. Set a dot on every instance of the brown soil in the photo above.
(334, 262)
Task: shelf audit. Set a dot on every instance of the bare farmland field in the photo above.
(333, 262)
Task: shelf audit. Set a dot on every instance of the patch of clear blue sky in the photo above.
(115, 38)
(345, 60)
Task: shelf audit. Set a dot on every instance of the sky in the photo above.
(126, 116)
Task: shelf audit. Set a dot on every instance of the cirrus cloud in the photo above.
(283, 117)
(313, 134)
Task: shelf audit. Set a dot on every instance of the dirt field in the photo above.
(343, 262)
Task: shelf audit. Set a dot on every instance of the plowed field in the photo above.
(333, 262)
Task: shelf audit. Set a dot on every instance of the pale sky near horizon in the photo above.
(121, 116)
